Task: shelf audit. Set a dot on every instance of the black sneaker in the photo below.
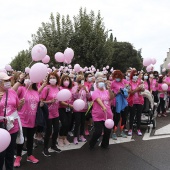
(46, 153)
(54, 149)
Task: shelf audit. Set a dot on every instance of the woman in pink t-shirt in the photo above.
(146, 81)
(117, 84)
(80, 91)
(27, 115)
(162, 98)
(9, 101)
(48, 96)
(100, 112)
(65, 112)
(135, 101)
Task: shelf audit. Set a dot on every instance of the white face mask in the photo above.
(27, 82)
(104, 78)
(135, 78)
(53, 81)
(7, 85)
(90, 79)
(145, 77)
(127, 78)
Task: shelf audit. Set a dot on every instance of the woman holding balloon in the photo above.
(65, 112)
(162, 90)
(48, 96)
(100, 112)
(80, 92)
(29, 93)
(9, 104)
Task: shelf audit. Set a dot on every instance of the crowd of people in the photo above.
(114, 95)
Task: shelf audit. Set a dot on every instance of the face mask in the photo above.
(128, 74)
(105, 79)
(66, 83)
(27, 82)
(127, 78)
(145, 77)
(151, 76)
(90, 79)
(117, 79)
(53, 81)
(7, 85)
(135, 78)
(101, 85)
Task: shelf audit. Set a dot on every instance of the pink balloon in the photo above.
(46, 59)
(67, 61)
(69, 54)
(49, 70)
(109, 123)
(38, 52)
(8, 68)
(78, 104)
(3, 70)
(38, 72)
(168, 65)
(164, 87)
(149, 68)
(63, 95)
(107, 67)
(27, 70)
(69, 66)
(77, 67)
(5, 139)
(164, 69)
(59, 57)
(153, 61)
(147, 61)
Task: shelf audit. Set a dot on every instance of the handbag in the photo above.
(42, 113)
(3, 123)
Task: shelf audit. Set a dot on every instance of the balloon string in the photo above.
(30, 63)
(105, 114)
(26, 90)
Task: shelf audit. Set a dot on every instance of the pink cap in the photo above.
(4, 76)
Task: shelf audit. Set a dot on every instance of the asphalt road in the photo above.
(137, 154)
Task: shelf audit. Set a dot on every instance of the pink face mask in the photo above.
(66, 83)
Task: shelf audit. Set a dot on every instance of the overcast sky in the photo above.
(144, 23)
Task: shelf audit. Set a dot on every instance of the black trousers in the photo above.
(136, 109)
(65, 118)
(98, 127)
(161, 106)
(51, 123)
(118, 116)
(79, 118)
(29, 134)
(7, 156)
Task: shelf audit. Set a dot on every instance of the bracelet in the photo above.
(19, 82)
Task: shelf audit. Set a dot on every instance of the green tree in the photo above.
(21, 61)
(125, 56)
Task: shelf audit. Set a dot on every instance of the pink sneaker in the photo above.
(17, 161)
(87, 133)
(32, 159)
(75, 141)
(82, 138)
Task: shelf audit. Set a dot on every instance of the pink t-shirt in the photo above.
(70, 101)
(137, 98)
(97, 112)
(153, 84)
(88, 85)
(53, 108)
(167, 80)
(29, 109)
(146, 85)
(12, 105)
(160, 89)
(81, 95)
